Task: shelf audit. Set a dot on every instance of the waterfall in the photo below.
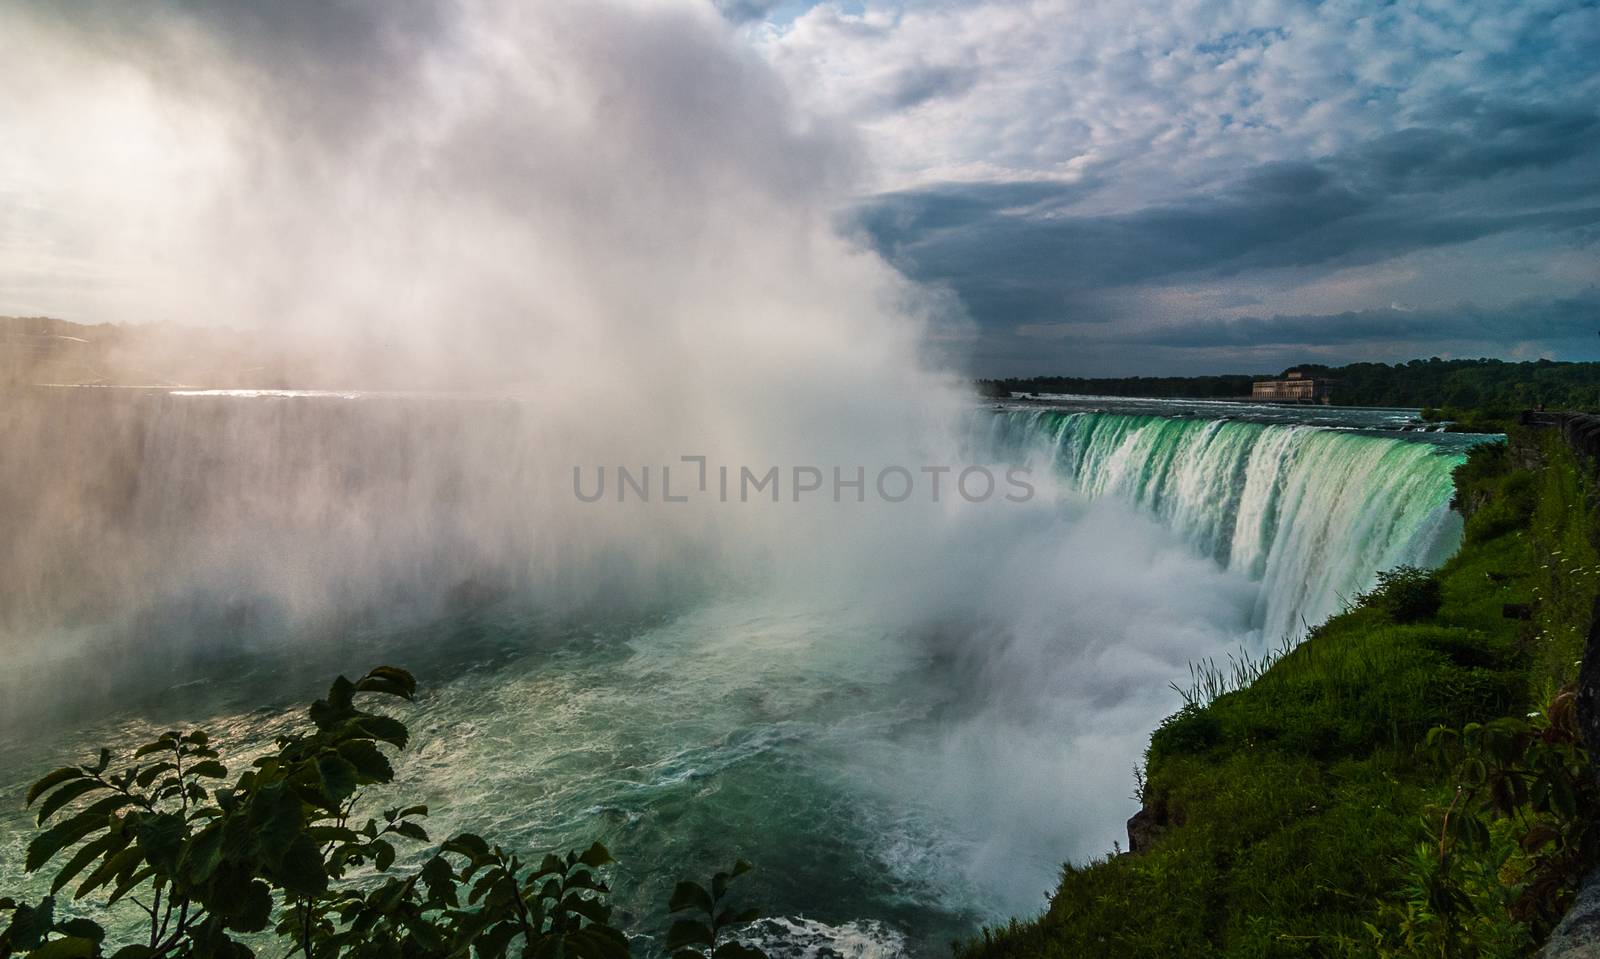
(1309, 512)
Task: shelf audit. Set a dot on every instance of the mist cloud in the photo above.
(615, 216)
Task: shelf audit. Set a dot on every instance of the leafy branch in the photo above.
(213, 867)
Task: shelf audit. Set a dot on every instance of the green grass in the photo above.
(1294, 805)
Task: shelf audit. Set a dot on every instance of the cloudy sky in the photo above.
(1120, 187)
(1086, 187)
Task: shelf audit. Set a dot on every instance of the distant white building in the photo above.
(1295, 387)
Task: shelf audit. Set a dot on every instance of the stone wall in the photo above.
(1580, 430)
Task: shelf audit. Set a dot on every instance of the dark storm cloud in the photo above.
(1563, 327)
(1478, 140)
(1018, 253)
(1547, 321)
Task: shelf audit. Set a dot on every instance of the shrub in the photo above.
(213, 867)
(1521, 809)
(1405, 594)
(1187, 732)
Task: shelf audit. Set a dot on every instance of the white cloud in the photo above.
(1158, 97)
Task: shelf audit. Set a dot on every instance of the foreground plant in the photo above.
(216, 868)
(706, 916)
(1506, 854)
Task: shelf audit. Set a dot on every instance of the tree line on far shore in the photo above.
(1481, 384)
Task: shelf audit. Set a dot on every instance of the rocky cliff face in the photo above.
(1578, 936)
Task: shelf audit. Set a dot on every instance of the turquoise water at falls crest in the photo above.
(1311, 513)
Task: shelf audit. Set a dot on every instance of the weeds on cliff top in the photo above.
(1209, 680)
(216, 863)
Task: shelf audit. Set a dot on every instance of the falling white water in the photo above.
(1312, 513)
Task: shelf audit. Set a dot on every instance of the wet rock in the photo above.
(1589, 687)
(1578, 936)
(1148, 825)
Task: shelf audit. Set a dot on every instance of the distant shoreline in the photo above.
(1488, 386)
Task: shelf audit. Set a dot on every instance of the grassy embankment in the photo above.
(1301, 814)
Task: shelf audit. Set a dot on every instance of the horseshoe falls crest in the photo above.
(1309, 512)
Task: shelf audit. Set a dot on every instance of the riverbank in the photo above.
(1307, 813)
